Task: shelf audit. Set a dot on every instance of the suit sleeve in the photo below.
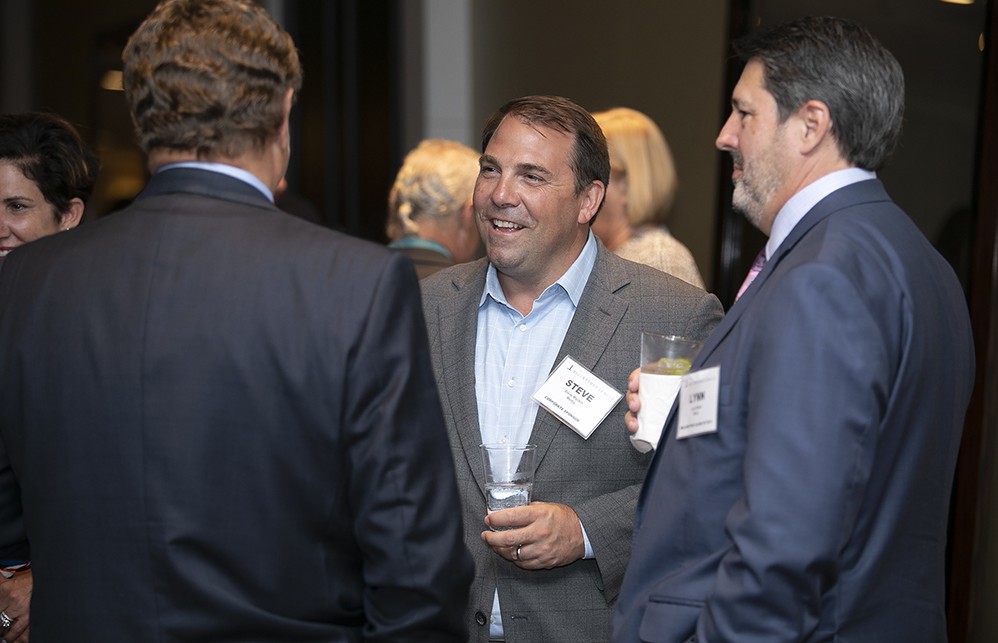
(818, 386)
(13, 538)
(609, 521)
(417, 569)
(707, 314)
(609, 518)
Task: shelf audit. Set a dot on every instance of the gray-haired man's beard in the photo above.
(754, 189)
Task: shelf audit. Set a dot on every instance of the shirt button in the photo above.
(480, 618)
(523, 328)
(511, 383)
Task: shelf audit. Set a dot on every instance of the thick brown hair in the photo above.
(590, 160)
(210, 76)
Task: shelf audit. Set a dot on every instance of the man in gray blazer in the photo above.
(219, 420)
(546, 291)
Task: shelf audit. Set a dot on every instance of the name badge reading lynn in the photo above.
(698, 403)
(577, 397)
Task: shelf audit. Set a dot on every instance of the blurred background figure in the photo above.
(47, 174)
(642, 188)
(430, 216)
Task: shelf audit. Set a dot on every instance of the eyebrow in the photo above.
(522, 168)
(530, 168)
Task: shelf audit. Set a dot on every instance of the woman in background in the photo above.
(430, 216)
(47, 174)
(642, 188)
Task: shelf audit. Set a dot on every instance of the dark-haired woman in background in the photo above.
(46, 175)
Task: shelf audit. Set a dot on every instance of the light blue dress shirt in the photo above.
(801, 203)
(222, 168)
(514, 355)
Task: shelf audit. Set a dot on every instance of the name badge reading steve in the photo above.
(698, 403)
(577, 397)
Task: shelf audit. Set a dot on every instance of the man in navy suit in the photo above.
(801, 489)
(220, 421)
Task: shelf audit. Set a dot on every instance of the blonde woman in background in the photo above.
(640, 194)
(430, 216)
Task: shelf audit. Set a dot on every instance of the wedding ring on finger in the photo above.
(5, 621)
(516, 554)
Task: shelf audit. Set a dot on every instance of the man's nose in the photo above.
(727, 141)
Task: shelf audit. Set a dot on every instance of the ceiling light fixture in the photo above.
(112, 81)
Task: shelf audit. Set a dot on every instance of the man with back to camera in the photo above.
(810, 499)
(498, 328)
(220, 422)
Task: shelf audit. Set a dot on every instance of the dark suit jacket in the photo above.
(598, 477)
(818, 511)
(221, 424)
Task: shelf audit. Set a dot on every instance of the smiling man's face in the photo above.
(532, 222)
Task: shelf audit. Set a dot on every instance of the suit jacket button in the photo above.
(480, 618)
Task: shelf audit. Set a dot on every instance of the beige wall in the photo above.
(663, 58)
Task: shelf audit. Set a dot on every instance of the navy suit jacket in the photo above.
(220, 424)
(818, 510)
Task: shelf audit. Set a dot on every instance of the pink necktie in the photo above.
(760, 261)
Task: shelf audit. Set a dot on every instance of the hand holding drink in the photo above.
(509, 475)
(664, 359)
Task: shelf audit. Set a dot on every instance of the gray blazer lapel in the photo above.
(458, 329)
(593, 325)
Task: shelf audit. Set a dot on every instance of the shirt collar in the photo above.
(801, 203)
(222, 168)
(573, 282)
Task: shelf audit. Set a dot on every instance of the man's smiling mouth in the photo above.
(505, 225)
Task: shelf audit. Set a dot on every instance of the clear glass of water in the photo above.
(509, 474)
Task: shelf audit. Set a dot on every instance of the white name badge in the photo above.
(578, 398)
(698, 400)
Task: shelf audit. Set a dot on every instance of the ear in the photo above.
(592, 198)
(817, 121)
(73, 214)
